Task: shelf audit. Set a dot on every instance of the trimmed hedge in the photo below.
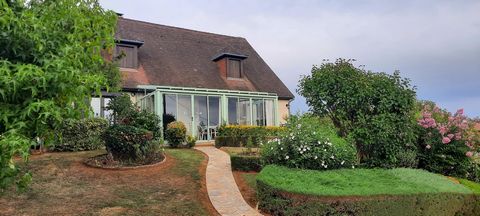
(81, 135)
(238, 135)
(444, 198)
(246, 162)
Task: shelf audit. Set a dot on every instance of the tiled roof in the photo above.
(172, 56)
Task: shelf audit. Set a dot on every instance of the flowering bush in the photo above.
(309, 143)
(176, 133)
(447, 142)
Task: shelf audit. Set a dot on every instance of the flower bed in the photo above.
(286, 191)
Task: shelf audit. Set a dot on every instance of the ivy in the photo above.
(52, 59)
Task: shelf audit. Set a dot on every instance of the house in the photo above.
(199, 78)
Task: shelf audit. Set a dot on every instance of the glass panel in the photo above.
(106, 112)
(269, 113)
(171, 104)
(244, 111)
(258, 112)
(185, 111)
(95, 104)
(201, 117)
(213, 115)
(232, 111)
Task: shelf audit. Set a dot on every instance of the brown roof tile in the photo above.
(172, 56)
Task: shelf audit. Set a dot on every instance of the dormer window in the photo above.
(230, 65)
(127, 53)
(234, 68)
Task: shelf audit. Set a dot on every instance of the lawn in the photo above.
(359, 182)
(62, 185)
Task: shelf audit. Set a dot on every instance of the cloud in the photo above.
(434, 43)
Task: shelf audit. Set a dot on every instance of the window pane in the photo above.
(171, 105)
(201, 117)
(244, 111)
(185, 111)
(233, 68)
(258, 112)
(214, 111)
(106, 112)
(232, 111)
(269, 113)
(95, 104)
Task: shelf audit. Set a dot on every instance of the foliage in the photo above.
(130, 143)
(175, 133)
(191, 140)
(239, 135)
(286, 191)
(310, 143)
(50, 62)
(447, 143)
(81, 135)
(167, 118)
(244, 159)
(126, 113)
(374, 109)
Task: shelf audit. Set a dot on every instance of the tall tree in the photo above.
(51, 61)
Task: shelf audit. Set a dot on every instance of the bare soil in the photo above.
(63, 185)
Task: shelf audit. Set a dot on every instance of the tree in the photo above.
(51, 61)
(375, 109)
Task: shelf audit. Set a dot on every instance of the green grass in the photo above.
(188, 160)
(250, 179)
(358, 182)
(475, 187)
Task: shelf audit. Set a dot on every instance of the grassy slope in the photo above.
(475, 187)
(358, 182)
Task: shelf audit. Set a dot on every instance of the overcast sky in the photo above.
(434, 43)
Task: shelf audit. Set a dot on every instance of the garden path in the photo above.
(222, 189)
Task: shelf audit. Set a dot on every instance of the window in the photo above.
(127, 55)
(234, 68)
(232, 111)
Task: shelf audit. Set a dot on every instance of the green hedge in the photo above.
(238, 135)
(246, 163)
(283, 191)
(81, 135)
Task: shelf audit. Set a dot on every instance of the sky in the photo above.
(434, 43)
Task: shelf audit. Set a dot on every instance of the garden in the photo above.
(367, 147)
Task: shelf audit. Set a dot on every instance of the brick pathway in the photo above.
(221, 186)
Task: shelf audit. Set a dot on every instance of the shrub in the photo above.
(124, 112)
(238, 135)
(175, 133)
(129, 143)
(374, 109)
(246, 162)
(81, 135)
(191, 141)
(309, 143)
(446, 143)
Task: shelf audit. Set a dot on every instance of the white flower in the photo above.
(271, 148)
(281, 148)
(286, 157)
(329, 143)
(299, 125)
(342, 162)
(332, 157)
(319, 142)
(353, 167)
(299, 149)
(314, 132)
(301, 152)
(324, 150)
(316, 157)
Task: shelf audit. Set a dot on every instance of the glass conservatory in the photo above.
(203, 110)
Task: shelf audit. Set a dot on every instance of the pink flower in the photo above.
(443, 130)
(450, 136)
(469, 154)
(459, 111)
(428, 147)
(446, 140)
(458, 136)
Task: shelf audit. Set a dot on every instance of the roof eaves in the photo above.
(233, 55)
